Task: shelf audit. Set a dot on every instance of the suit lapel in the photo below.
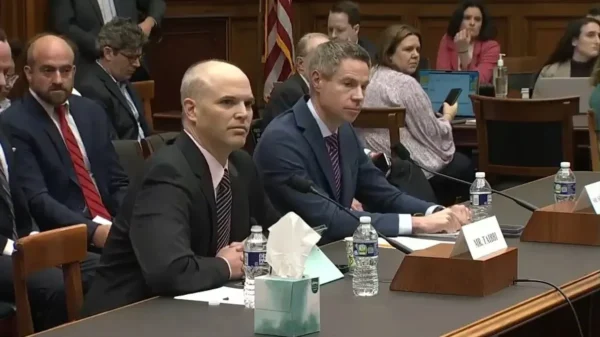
(8, 155)
(97, 10)
(347, 157)
(238, 204)
(56, 139)
(200, 167)
(314, 137)
(113, 88)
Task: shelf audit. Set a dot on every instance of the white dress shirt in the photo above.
(107, 7)
(217, 171)
(404, 220)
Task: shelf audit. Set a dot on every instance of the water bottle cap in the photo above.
(565, 164)
(256, 229)
(480, 175)
(365, 219)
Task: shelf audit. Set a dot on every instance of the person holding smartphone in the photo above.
(426, 136)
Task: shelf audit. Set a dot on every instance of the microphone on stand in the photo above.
(306, 186)
(404, 154)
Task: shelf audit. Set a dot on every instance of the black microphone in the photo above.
(404, 154)
(306, 186)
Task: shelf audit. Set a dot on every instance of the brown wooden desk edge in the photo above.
(41, 333)
(523, 311)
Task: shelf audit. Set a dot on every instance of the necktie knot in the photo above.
(332, 141)
(61, 110)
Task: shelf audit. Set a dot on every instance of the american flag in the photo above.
(279, 50)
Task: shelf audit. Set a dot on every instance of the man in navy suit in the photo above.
(65, 159)
(315, 140)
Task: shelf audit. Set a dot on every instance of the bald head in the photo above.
(50, 68)
(306, 45)
(216, 98)
(48, 45)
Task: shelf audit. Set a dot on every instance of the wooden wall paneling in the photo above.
(544, 33)
(185, 40)
(246, 52)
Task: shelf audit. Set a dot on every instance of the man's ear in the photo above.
(189, 109)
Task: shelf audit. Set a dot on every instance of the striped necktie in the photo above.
(333, 146)
(224, 199)
(5, 191)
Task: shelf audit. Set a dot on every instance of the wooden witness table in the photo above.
(520, 310)
(465, 136)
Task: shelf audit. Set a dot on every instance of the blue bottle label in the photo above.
(564, 188)
(366, 249)
(481, 199)
(255, 259)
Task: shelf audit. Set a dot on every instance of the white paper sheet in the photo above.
(225, 295)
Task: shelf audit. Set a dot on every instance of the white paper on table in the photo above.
(410, 242)
(223, 295)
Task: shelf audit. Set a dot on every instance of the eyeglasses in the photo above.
(133, 57)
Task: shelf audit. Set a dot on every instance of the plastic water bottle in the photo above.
(365, 281)
(255, 262)
(501, 78)
(481, 197)
(564, 183)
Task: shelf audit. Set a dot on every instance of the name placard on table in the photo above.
(479, 239)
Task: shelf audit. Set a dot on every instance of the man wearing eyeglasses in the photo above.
(120, 44)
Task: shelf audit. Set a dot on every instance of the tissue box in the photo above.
(287, 307)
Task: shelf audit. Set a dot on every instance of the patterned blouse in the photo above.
(428, 138)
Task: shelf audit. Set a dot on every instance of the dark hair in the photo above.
(595, 11)
(16, 48)
(390, 40)
(487, 32)
(349, 8)
(120, 34)
(2, 35)
(564, 49)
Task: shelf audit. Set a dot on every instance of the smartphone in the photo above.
(451, 98)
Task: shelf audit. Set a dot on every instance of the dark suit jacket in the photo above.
(283, 97)
(44, 167)
(164, 241)
(293, 145)
(23, 221)
(369, 47)
(99, 86)
(81, 20)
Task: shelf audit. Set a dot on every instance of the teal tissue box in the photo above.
(287, 307)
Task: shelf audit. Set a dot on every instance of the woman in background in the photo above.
(427, 137)
(469, 42)
(576, 51)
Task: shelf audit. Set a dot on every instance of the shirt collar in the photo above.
(305, 81)
(106, 71)
(47, 106)
(216, 170)
(4, 104)
(324, 129)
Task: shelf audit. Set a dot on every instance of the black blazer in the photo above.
(99, 86)
(25, 224)
(164, 240)
(44, 167)
(283, 97)
(81, 20)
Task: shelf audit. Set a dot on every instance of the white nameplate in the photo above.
(593, 193)
(480, 238)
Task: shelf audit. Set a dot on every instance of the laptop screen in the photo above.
(437, 84)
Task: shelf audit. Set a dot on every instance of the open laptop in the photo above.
(438, 83)
(556, 87)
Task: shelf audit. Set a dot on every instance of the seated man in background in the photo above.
(316, 141)
(10, 77)
(45, 288)
(120, 44)
(81, 21)
(285, 95)
(65, 159)
(182, 226)
(343, 23)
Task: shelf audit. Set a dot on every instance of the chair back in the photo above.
(131, 156)
(253, 135)
(382, 118)
(153, 143)
(65, 247)
(146, 91)
(524, 137)
(594, 155)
